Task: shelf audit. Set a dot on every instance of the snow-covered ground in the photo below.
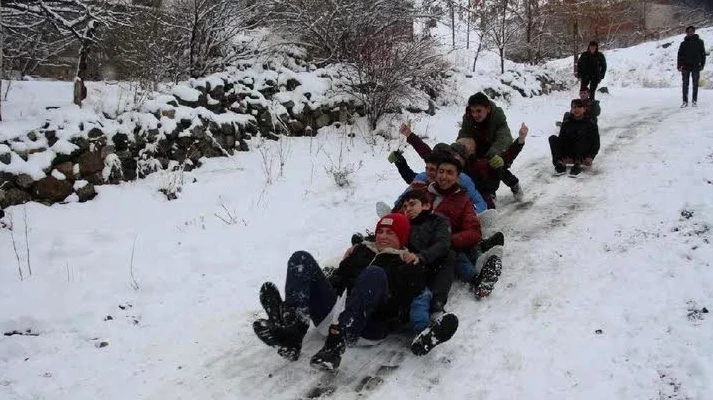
(605, 276)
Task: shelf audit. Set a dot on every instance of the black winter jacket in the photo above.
(592, 65)
(430, 239)
(691, 54)
(405, 281)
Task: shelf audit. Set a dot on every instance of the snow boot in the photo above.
(484, 282)
(560, 168)
(695, 103)
(496, 239)
(287, 336)
(517, 192)
(440, 331)
(575, 170)
(684, 104)
(271, 302)
(329, 357)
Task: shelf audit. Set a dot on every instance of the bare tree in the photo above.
(387, 73)
(504, 29)
(72, 20)
(210, 32)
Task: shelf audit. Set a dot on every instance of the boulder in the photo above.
(13, 196)
(85, 191)
(90, 162)
(24, 181)
(52, 189)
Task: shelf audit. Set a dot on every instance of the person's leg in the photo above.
(584, 83)
(369, 292)
(464, 267)
(685, 75)
(695, 76)
(556, 150)
(509, 178)
(593, 88)
(441, 282)
(307, 290)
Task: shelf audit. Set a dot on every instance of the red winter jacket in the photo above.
(458, 208)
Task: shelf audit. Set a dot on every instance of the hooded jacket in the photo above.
(691, 53)
(592, 65)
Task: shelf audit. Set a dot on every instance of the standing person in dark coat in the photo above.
(591, 68)
(691, 60)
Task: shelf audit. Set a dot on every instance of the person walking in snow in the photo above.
(380, 280)
(486, 124)
(691, 60)
(591, 68)
(578, 140)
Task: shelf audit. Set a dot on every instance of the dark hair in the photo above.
(478, 99)
(446, 158)
(691, 28)
(420, 194)
(460, 149)
(577, 103)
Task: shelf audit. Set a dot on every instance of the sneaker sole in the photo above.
(491, 272)
(440, 332)
(271, 301)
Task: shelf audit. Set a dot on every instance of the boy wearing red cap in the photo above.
(380, 279)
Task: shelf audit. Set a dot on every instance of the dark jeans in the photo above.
(687, 74)
(574, 146)
(589, 83)
(440, 279)
(310, 294)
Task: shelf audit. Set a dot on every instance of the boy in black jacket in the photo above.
(380, 279)
(430, 240)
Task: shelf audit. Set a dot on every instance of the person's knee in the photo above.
(301, 261)
(373, 273)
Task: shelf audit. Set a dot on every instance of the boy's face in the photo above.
(479, 113)
(447, 176)
(413, 208)
(386, 238)
(577, 111)
(431, 171)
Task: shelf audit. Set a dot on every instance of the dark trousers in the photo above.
(310, 294)
(440, 279)
(687, 74)
(589, 83)
(575, 147)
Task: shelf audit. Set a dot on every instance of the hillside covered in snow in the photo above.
(606, 281)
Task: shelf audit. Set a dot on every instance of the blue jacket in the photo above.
(463, 180)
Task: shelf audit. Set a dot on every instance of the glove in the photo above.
(396, 156)
(496, 162)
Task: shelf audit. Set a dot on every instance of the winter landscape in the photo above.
(147, 288)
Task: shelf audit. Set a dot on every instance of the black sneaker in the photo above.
(575, 170)
(329, 357)
(496, 239)
(560, 168)
(271, 301)
(440, 331)
(286, 337)
(485, 281)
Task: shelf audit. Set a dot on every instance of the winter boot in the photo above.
(440, 331)
(496, 239)
(329, 357)
(271, 302)
(287, 336)
(560, 168)
(484, 282)
(576, 169)
(694, 104)
(517, 192)
(684, 104)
